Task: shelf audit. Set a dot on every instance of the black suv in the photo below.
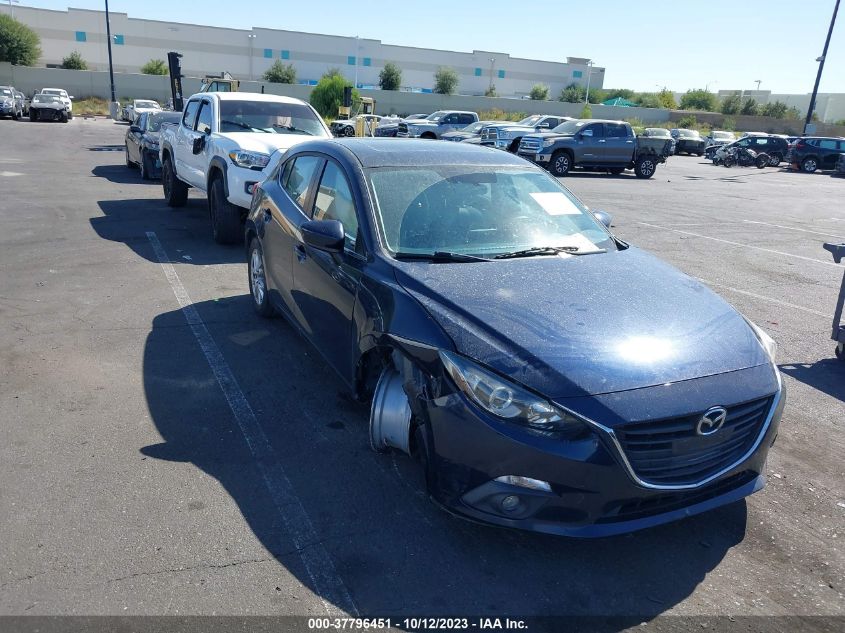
(815, 152)
(775, 146)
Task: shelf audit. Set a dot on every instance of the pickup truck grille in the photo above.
(530, 145)
(670, 451)
(402, 130)
(489, 134)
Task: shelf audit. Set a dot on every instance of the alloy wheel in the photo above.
(256, 270)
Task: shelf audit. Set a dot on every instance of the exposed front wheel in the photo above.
(762, 160)
(258, 280)
(645, 167)
(175, 191)
(390, 414)
(561, 164)
(225, 216)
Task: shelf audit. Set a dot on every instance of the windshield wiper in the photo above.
(291, 128)
(239, 124)
(441, 256)
(541, 250)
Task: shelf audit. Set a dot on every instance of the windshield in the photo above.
(154, 121)
(146, 104)
(688, 133)
(570, 127)
(42, 98)
(436, 116)
(531, 121)
(657, 131)
(475, 128)
(482, 211)
(5, 92)
(270, 117)
(727, 136)
(53, 91)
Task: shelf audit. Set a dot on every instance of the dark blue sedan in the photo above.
(547, 375)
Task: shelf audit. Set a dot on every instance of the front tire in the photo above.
(561, 164)
(775, 160)
(33, 115)
(645, 167)
(258, 280)
(144, 165)
(809, 165)
(175, 191)
(225, 216)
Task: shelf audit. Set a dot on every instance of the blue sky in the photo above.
(643, 44)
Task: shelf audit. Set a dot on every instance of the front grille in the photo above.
(529, 145)
(670, 452)
(489, 134)
(402, 130)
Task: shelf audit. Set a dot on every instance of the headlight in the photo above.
(507, 401)
(766, 341)
(503, 135)
(548, 142)
(249, 160)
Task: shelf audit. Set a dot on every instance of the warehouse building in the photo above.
(246, 54)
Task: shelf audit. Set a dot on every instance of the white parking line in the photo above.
(327, 584)
(749, 246)
(765, 298)
(792, 228)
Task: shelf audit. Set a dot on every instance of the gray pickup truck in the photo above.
(436, 124)
(507, 134)
(595, 144)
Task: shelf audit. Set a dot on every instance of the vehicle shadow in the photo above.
(396, 552)
(185, 232)
(826, 375)
(122, 175)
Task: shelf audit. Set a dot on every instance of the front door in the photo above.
(592, 148)
(326, 284)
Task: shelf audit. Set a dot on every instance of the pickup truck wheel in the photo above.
(225, 216)
(561, 163)
(175, 191)
(258, 280)
(645, 167)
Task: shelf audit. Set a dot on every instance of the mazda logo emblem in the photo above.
(711, 421)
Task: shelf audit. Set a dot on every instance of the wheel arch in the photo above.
(215, 167)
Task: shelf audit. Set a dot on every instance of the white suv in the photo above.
(225, 144)
(61, 94)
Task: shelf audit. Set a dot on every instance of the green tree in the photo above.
(793, 113)
(729, 123)
(327, 95)
(776, 109)
(573, 93)
(699, 100)
(667, 99)
(624, 93)
(687, 121)
(539, 92)
(749, 106)
(74, 61)
(647, 100)
(155, 67)
(390, 77)
(491, 91)
(731, 104)
(597, 95)
(19, 44)
(280, 73)
(445, 81)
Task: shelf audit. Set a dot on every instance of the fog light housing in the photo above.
(510, 503)
(525, 482)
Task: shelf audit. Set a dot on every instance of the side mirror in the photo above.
(604, 217)
(135, 129)
(199, 144)
(587, 133)
(324, 235)
(71, 97)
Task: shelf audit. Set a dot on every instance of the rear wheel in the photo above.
(175, 191)
(225, 216)
(561, 163)
(645, 167)
(809, 165)
(775, 159)
(258, 280)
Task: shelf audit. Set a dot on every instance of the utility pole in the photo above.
(758, 82)
(492, 63)
(820, 60)
(113, 105)
(357, 53)
(589, 75)
(251, 37)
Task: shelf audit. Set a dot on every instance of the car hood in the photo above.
(458, 135)
(584, 325)
(50, 106)
(422, 123)
(265, 143)
(544, 135)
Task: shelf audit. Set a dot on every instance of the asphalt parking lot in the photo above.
(131, 483)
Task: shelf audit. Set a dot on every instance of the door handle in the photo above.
(300, 252)
(601, 140)
(629, 141)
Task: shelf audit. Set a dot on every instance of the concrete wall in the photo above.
(248, 53)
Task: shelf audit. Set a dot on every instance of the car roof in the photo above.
(247, 96)
(390, 152)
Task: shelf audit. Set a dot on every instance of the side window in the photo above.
(450, 119)
(743, 143)
(190, 114)
(283, 176)
(142, 122)
(828, 143)
(205, 117)
(466, 119)
(598, 132)
(760, 141)
(334, 202)
(615, 130)
(300, 176)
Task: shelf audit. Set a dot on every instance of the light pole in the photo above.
(357, 53)
(12, 8)
(707, 85)
(492, 63)
(251, 37)
(589, 76)
(758, 82)
(114, 106)
(820, 60)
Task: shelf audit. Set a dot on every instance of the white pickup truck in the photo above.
(225, 144)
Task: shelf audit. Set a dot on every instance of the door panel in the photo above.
(619, 147)
(593, 148)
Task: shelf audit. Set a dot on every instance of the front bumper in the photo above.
(593, 493)
(7, 109)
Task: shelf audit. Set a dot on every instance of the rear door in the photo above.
(619, 145)
(828, 153)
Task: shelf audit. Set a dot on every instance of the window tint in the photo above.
(300, 177)
(334, 202)
(465, 119)
(190, 114)
(827, 143)
(205, 118)
(761, 141)
(598, 132)
(615, 130)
